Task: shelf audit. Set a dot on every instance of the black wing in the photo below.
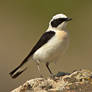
(43, 40)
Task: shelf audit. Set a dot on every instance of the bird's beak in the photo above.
(68, 19)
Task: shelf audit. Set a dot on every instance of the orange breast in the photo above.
(62, 34)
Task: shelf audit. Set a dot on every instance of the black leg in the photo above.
(47, 65)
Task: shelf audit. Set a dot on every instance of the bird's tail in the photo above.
(18, 70)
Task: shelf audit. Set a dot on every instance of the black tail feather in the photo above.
(12, 72)
(17, 73)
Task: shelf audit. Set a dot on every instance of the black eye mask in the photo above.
(58, 21)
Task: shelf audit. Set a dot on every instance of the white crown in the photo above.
(59, 16)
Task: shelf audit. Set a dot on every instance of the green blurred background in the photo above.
(22, 22)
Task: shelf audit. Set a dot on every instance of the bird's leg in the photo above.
(52, 75)
(47, 65)
(38, 67)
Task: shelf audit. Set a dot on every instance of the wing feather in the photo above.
(43, 40)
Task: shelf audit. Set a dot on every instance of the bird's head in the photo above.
(59, 21)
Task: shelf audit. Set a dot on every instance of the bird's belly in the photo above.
(52, 50)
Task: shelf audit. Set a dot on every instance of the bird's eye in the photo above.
(58, 21)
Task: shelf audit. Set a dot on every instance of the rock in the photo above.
(77, 81)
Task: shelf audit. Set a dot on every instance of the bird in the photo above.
(52, 45)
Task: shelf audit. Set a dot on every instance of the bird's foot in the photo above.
(41, 76)
(52, 76)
